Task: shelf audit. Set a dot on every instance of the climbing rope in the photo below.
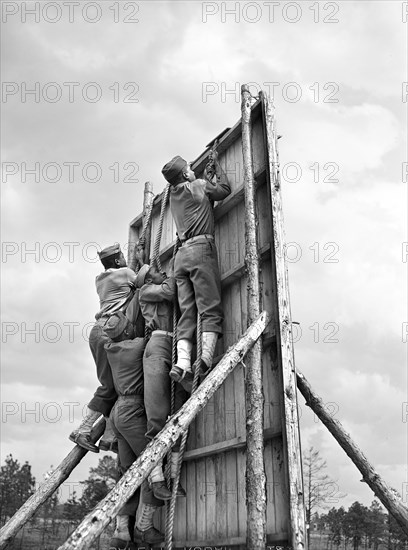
(171, 505)
(210, 166)
(142, 239)
(173, 362)
(156, 248)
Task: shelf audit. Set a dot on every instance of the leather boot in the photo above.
(108, 441)
(173, 473)
(121, 536)
(82, 435)
(183, 366)
(209, 340)
(159, 487)
(145, 531)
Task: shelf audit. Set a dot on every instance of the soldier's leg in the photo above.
(207, 287)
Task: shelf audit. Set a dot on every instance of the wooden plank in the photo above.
(232, 165)
(239, 270)
(235, 246)
(199, 430)
(274, 377)
(231, 494)
(239, 385)
(222, 232)
(237, 196)
(230, 409)
(270, 500)
(241, 493)
(180, 516)
(269, 390)
(293, 459)
(268, 296)
(219, 415)
(209, 423)
(133, 237)
(201, 518)
(221, 487)
(222, 446)
(221, 208)
(264, 215)
(280, 489)
(191, 501)
(210, 499)
(239, 374)
(258, 143)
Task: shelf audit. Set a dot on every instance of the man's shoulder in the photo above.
(199, 181)
(115, 273)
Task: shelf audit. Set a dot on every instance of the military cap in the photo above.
(109, 251)
(140, 279)
(173, 168)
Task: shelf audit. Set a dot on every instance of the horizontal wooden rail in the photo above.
(220, 210)
(224, 446)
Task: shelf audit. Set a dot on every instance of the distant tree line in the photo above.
(53, 522)
(359, 527)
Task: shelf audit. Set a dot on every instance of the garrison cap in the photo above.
(173, 169)
(109, 251)
(140, 279)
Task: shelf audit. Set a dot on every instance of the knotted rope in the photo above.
(171, 506)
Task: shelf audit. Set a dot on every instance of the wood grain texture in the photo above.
(255, 471)
(283, 323)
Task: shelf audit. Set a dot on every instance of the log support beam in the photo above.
(382, 491)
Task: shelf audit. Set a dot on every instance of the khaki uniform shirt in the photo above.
(156, 304)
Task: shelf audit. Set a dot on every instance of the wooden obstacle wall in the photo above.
(214, 512)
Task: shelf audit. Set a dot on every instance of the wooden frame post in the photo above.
(148, 198)
(290, 420)
(94, 523)
(254, 398)
(381, 490)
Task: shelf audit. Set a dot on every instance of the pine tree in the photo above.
(16, 485)
(319, 487)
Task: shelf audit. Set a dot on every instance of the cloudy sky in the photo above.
(98, 96)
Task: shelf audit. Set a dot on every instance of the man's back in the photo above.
(113, 287)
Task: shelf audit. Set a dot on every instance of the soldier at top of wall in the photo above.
(196, 264)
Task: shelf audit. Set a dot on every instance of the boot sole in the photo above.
(91, 447)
